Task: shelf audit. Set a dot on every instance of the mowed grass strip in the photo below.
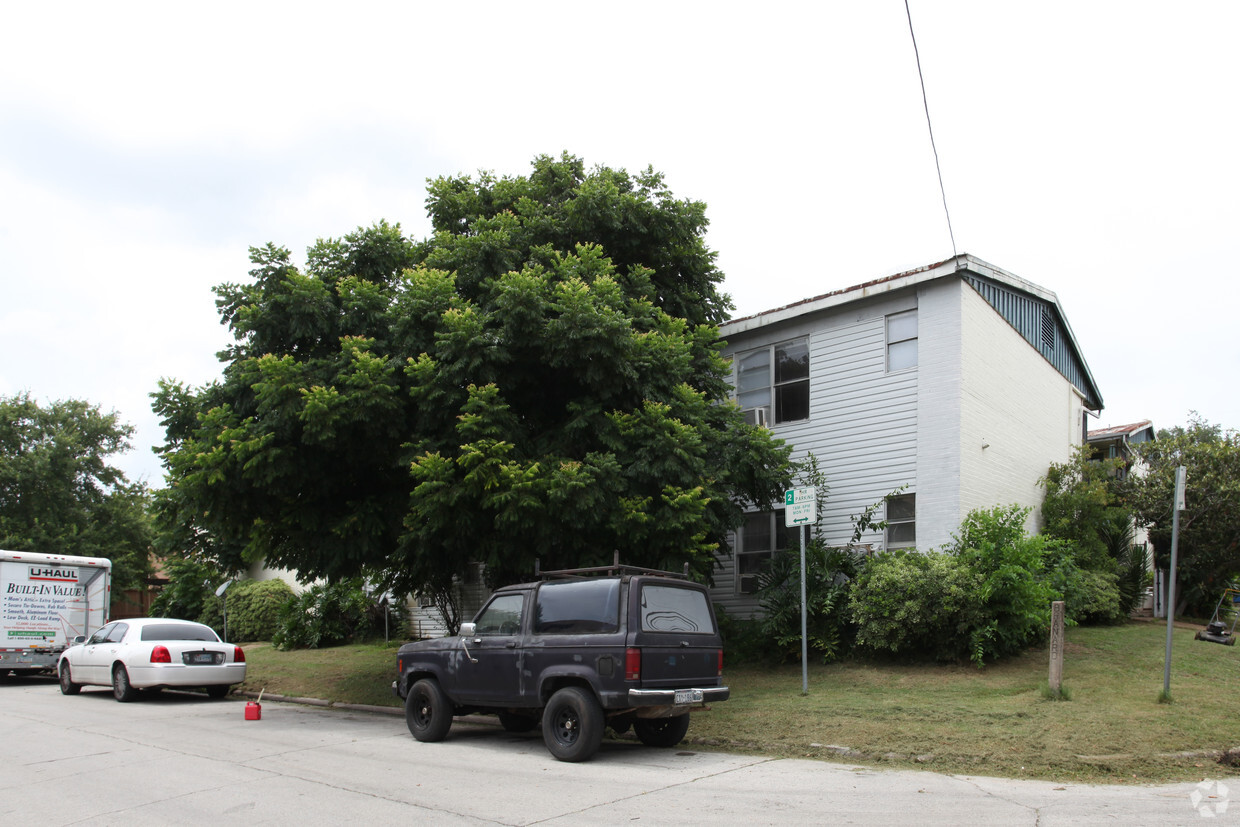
(947, 718)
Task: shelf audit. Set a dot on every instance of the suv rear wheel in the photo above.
(661, 732)
(573, 724)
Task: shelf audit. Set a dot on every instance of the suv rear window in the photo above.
(674, 609)
(578, 607)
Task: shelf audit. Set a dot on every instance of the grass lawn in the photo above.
(952, 719)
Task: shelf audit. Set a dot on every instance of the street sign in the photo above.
(800, 506)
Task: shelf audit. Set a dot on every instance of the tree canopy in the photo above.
(539, 379)
(60, 495)
(1209, 541)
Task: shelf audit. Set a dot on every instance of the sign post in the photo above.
(801, 509)
(1181, 478)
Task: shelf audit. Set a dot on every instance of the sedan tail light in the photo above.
(239, 654)
(160, 654)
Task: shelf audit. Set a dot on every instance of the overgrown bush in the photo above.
(986, 595)
(743, 639)
(1093, 597)
(1015, 589)
(331, 615)
(922, 604)
(253, 608)
(829, 628)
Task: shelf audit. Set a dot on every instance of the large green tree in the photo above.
(1209, 540)
(59, 494)
(539, 379)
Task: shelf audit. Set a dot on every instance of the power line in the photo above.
(925, 102)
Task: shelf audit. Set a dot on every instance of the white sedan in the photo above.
(152, 653)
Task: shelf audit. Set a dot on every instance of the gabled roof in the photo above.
(1032, 310)
(1121, 431)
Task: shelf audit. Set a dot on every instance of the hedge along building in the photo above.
(959, 382)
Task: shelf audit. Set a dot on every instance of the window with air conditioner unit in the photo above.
(772, 383)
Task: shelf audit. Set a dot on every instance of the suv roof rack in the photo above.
(614, 568)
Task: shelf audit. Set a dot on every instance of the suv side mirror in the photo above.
(467, 630)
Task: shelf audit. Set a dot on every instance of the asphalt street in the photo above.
(184, 759)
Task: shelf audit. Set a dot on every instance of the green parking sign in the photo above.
(800, 506)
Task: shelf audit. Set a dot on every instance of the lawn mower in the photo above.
(1216, 630)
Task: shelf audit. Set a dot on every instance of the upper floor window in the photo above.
(773, 382)
(902, 521)
(902, 341)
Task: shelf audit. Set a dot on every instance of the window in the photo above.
(179, 631)
(902, 341)
(578, 607)
(675, 609)
(763, 534)
(502, 616)
(775, 381)
(902, 521)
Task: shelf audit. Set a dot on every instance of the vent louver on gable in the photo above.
(1038, 322)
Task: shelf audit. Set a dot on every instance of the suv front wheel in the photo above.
(428, 712)
(573, 724)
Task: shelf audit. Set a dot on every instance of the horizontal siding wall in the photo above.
(862, 425)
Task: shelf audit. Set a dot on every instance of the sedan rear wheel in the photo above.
(67, 686)
(217, 691)
(122, 689)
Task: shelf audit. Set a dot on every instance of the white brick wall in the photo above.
(939, 394)
(1016, 403)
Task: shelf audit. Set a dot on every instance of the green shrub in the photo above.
(1093, 597)
(985, 596)
(829, 629)
(331, 615)
(919, 604)
(1016, 590)
(253, 608)
(743, 639)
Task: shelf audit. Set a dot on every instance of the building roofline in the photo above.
(911, 278)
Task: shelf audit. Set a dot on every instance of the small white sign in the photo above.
(800, 506)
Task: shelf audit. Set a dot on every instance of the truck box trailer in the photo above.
(45, 601)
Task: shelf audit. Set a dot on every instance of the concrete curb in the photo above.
(483, 720)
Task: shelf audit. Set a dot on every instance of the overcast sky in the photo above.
(1089, 147)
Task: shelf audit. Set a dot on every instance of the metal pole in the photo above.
(1176, 506)
(804, 637)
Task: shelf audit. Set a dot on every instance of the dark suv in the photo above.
(581, 650)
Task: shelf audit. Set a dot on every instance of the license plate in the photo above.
(688, 696)
(197, 658)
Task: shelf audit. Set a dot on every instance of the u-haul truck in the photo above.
(45, 601)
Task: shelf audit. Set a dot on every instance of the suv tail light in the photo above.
(160, 654)
(239, 655)
(632, 664)
(721, 663)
